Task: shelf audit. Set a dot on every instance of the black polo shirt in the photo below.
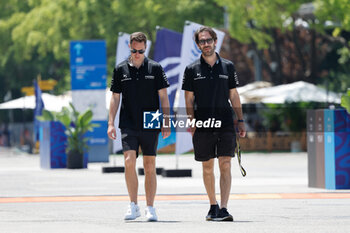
(211, 87)
(139, 88)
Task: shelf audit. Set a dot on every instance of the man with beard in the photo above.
(142, 83)
(210, 86)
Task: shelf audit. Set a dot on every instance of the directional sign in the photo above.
(78, 47)
(47, 85)
(88, 63)
(28, 90)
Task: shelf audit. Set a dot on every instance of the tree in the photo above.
(269, 25)
(335, 14)
(36, 33)
(261, 24)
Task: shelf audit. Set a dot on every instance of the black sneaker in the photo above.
(223, 215)
(213, 212)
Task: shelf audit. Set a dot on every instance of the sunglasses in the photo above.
(208, 41)
(141, 51)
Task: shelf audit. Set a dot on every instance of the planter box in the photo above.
(329, 149)
(337, 149)
(52, 145)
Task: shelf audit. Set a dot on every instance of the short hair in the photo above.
(138, 37)
(202, 29)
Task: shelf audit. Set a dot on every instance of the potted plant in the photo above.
(345, 101)
(76, 126)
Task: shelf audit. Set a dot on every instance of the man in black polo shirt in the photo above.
(142, 83)
(210, 83)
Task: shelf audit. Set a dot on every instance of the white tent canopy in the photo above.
(249, 87)
(256, 92)
(253, 86)
(51, 102)
(294, 92)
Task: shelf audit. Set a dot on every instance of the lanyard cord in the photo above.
(238, 152)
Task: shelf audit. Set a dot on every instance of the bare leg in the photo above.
(209, 180)
(225, 179)
(149, 164)
(130, 174)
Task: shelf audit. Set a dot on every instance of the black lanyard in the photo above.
(238, 152)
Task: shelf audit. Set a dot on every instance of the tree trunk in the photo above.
(298, 50)
(279, 73)
(313, 58)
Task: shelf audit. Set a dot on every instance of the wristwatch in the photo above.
(240, 120)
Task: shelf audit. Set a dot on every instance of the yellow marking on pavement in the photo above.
(196, 197)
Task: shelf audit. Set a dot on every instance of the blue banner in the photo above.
(167, 52)
(88, 65)
(39, 106)
(98, 135)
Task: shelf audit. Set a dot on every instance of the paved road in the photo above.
(274, 197)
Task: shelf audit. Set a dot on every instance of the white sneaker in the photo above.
(133, 212)
(151, 215)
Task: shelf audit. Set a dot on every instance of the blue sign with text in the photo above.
(99, 134)
(88, 64)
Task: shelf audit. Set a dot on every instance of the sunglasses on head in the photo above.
(141, 51)
(208, 41)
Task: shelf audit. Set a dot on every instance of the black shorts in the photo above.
(132, 139)
(208, 145)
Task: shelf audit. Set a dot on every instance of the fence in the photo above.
(268, 142)
(274, 142)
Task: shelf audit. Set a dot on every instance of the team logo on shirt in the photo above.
(198, 76)
(125, 78)
(151, 120)
(223, 76)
